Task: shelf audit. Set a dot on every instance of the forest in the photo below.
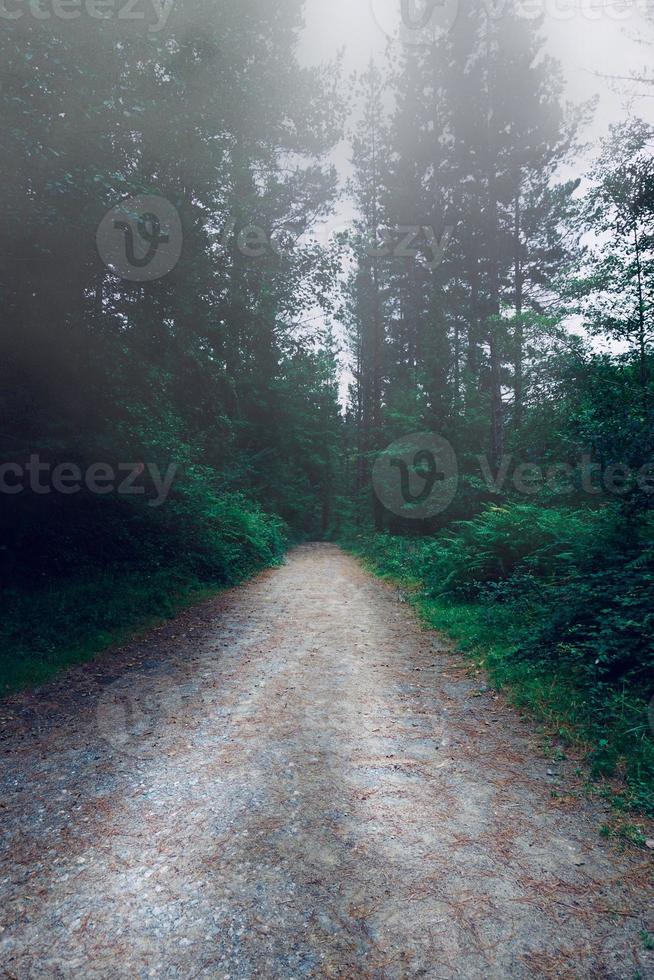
(458, 388)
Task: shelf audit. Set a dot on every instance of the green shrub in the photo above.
(106, 568)
(517, 541)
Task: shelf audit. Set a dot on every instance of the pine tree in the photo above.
(370, 160)
(620, 212)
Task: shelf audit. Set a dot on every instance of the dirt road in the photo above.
(293, 780)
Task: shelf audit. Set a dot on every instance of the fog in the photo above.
(598, 43)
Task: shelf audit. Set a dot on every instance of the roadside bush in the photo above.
(600, 623)
(226, 537)
(518, 542)
(80, 576)
(395, 556)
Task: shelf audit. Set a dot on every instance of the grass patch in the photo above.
(70, 622)
(103, 571)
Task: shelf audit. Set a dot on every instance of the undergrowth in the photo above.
(66, 623)
(71, 599)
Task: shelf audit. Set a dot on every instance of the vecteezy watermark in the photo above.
(586, 476)
(566, 10)
(141, 238)
(137, 713)
(419, 242)
(153, 14)
(417, 477)
(131, 712)
(416, 22)
(421, 22)
(126, 479)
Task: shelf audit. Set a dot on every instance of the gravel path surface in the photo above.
(294, 780)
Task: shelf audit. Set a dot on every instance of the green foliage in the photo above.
(67, 622)
(619, 211)
(519, 542)
(108, 572)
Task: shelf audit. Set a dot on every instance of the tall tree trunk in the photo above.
(493, 321)
(497, 408)
(377, 337)
(473, 359)
(642, 325)
(519, 340)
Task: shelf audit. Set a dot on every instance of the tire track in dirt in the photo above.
(294, 780)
